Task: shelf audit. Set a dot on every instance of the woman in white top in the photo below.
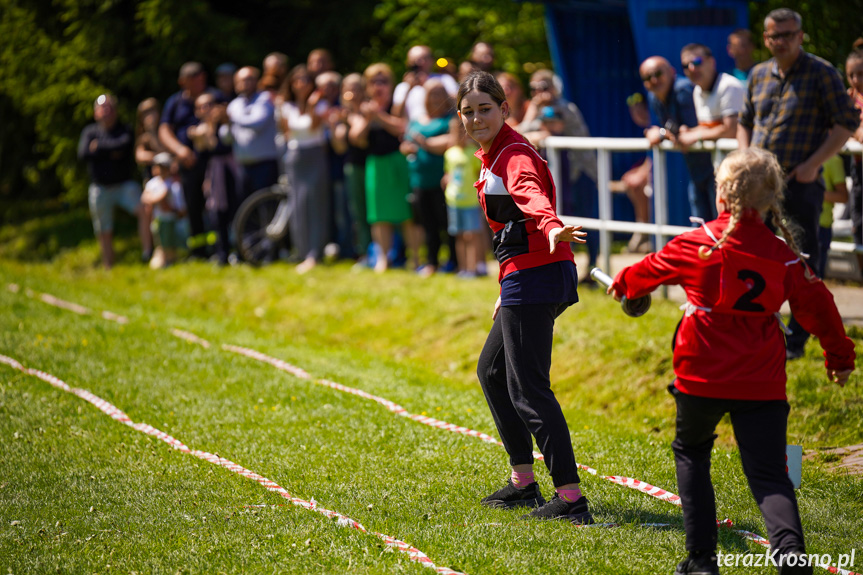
(306, 167)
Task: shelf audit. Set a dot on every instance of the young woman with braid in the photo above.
(729, 350)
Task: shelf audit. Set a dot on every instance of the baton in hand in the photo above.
(632, 307)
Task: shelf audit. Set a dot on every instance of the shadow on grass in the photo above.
(729, 540)
(39, 231)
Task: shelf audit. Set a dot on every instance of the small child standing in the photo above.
(461, 170)
(165, 193)
(729, 353)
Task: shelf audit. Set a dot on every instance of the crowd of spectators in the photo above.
(378, 170)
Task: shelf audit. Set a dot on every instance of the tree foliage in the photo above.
(58, 55)
(516, 30)
(831, 26)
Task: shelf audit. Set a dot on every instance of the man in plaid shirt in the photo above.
(797, 108)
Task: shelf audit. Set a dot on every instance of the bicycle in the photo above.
(262, 223)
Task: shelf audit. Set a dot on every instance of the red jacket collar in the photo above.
(504, 137)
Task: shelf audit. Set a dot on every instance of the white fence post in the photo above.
(603, 168)
(660, 229)
(660, 202)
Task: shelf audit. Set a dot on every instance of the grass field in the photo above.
(81, 493)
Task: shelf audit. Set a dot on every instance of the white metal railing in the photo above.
(660, 229)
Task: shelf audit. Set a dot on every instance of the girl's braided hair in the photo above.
(752, 179)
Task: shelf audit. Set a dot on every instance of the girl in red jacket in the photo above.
(538, 282)
(729, 350)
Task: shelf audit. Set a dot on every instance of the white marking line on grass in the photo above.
(412, 552)
(69, 306)
(636, 484)
(765, 543)
(190, 337)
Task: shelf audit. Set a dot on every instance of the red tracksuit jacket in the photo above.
(729, 344)
(516, 193)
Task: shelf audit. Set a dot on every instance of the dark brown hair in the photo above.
(481, 82)
(856, 54)
(287, 90)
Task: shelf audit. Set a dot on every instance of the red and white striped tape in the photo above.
(642, 486)
(636, 484)
(67, 305)
(754, 537)
(190, 337)
(115, 413)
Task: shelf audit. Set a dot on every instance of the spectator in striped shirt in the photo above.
(797, 108)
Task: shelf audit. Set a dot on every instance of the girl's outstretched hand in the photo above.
(614, 293)
(565, 234)
(840, 377)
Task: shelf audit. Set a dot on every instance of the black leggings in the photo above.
(513, 369)
(193, 182)
(759, 427)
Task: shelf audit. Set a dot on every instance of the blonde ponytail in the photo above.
(750, 179)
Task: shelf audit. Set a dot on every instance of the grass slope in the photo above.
(81, 493)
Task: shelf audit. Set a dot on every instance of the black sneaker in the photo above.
(698, 563)
(510, 496)
(793, 353)
(557, 508)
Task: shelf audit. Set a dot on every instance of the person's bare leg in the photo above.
(106, 246)
(144, 216)
(382, 234)
(472, 249)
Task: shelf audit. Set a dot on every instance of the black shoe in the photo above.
(793, 353)
(698, 563)
(587, 282)
(510, 496)
(557, 508)
(797, 568)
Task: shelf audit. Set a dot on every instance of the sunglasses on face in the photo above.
(656, 74)
(785, 36)
(380, 82)
(694, 63)
(539, 87)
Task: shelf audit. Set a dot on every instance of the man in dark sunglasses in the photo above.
(797, 108)
(718, 97)
(673, 111)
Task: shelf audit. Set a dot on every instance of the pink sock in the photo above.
(522, 479)
(570, 495)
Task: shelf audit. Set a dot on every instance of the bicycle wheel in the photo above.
(261, 224)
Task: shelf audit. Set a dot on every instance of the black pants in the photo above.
(193, 192)
(759, 427)
(431, 210)
(514, 370)
(803, 204)
(855, 201)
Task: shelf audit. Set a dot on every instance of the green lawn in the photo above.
(80, 492)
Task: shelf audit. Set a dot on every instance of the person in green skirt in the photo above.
(387, 180)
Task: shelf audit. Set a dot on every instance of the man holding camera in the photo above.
(671, 106)
(409, 97)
